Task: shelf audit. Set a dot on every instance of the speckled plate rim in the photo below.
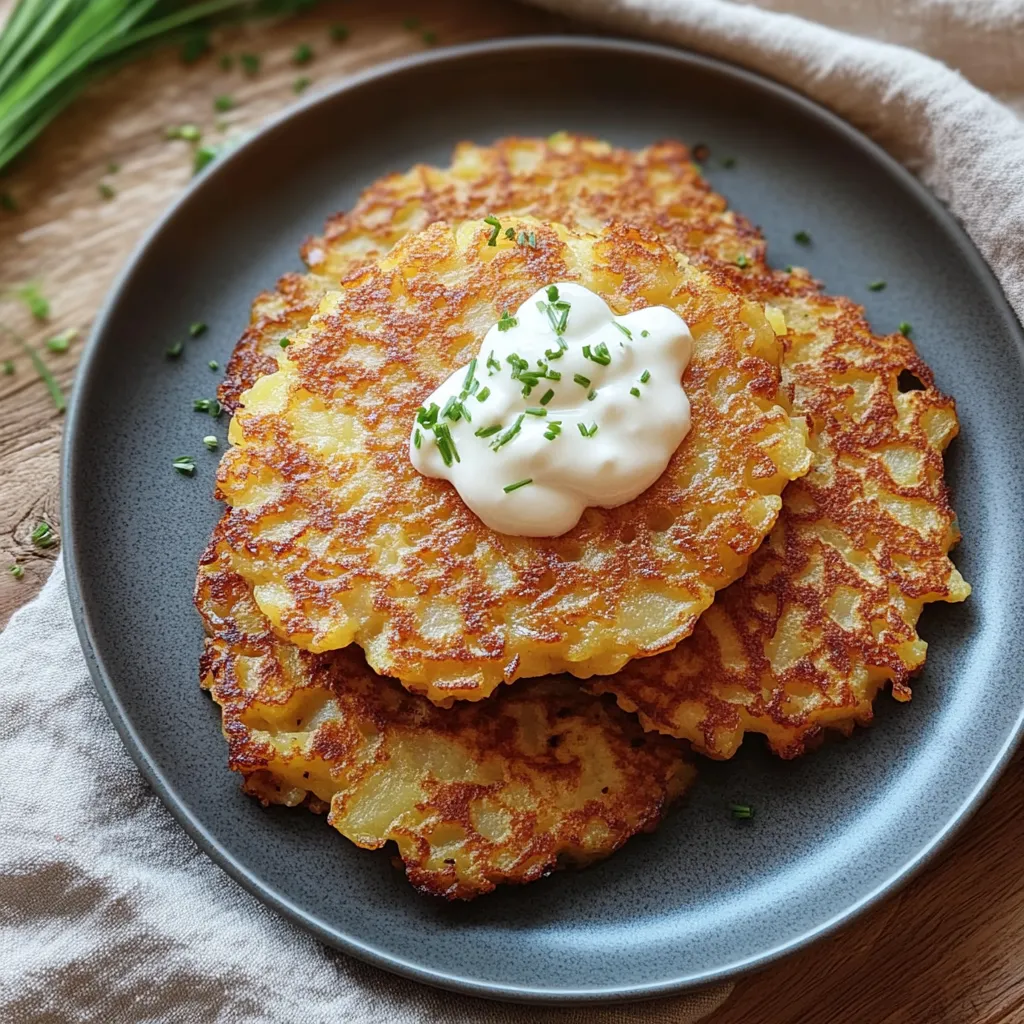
(136, 748)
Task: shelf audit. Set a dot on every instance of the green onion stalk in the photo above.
(51, 49)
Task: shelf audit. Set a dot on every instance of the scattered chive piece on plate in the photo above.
(223, 103)
(509, 488)
(905, 329)
(197, 328)
(62, 342)
(43, 536)
(645, 376)
(16, 571)
(285, 342)
(339, 33)
(213, 364)
(211, 441)
(302, 84)
(635, 392)
(106, 191)
(741, 811)
(303, 54)
(185, 465)
(188, 132)
(876, 286)
(113, 168)
(8, 367)
(742, 261)
(429, 37)
(205, 155)
(802, 237)
(175, 350)
(728, 162)
(250, 63)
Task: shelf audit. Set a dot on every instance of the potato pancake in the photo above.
(827, 613)
(344, 542)
(507, 790)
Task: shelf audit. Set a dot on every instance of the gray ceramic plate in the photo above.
(705, 896)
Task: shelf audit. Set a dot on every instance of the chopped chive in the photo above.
(582, 429)
(106, 191)
(741, 811)
(285, 342)
(645, 376)
(789, 268)
(550, 435)
(509, 488)
(905, 329)
(417, 437)
(876, 286)
(62, 342)
(552, 293)
(452, 409)
(483, 394)
(578, 378)
(428, 417)
(43, 536)
(16, 571)
(113, 168)
(635, 392)
(222, 104)
(507, 322)
(554, 375)
(196, 45)
(210, 441)
(339, 33)
(625, 330)
(185, 465)
(531, 240)
(301, 84)
(645, 334)
(599, 354)
(492, 363)
(214, 409)
(510, 234)
(213, 364)
(47, 377)
(250, 63)
(487, 431)
(8, 367)
(509, 434)
(205, 155)
(536, 410)
(201, 404)
(445, 443)
(302, 54)
(175, 350)
(37, 303)
(547, 396)
(802, 237)
(742, 261)
(728, 162)
(429, 38)
(495, 228)
(188, 132)
(197, 328)
(470, 374)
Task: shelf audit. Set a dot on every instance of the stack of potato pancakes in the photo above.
(503, 706)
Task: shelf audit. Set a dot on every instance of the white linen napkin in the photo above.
(108, 912)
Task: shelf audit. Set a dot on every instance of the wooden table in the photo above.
(948, 948)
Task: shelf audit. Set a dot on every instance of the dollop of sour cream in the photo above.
(565, 406)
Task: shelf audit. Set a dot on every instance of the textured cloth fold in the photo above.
(108, 912)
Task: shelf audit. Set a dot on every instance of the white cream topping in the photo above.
(586, 406)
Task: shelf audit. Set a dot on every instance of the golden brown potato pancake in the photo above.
(828, 611)
(506, 790)
(343, 541)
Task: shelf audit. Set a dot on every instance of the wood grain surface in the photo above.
(948, 949)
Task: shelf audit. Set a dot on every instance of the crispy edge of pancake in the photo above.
(504, 791)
